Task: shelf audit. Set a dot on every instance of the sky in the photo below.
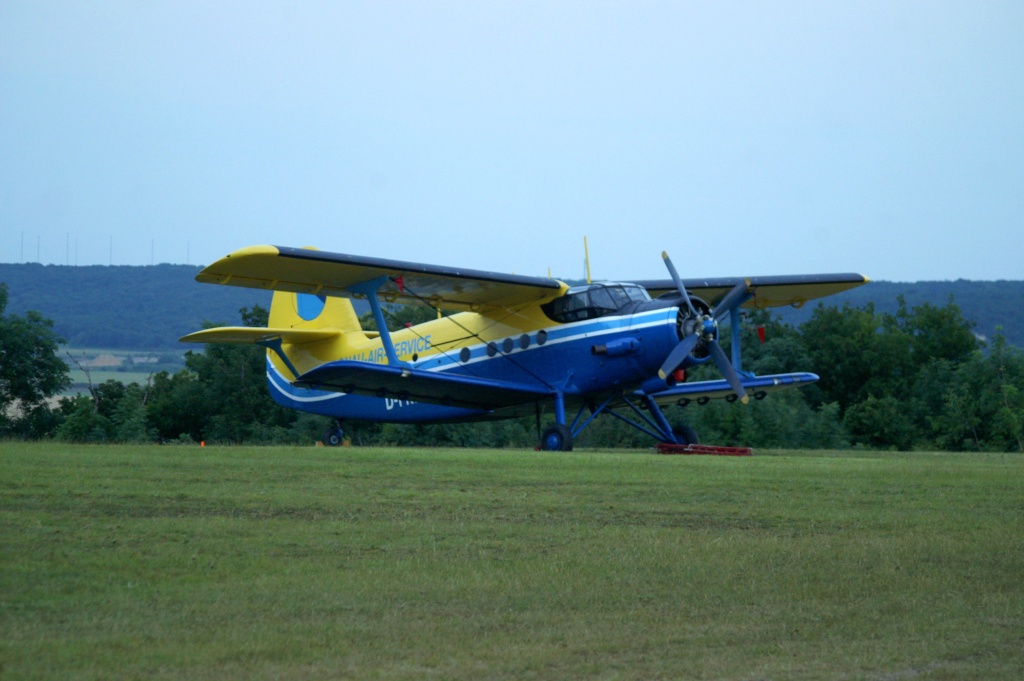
(744, 138)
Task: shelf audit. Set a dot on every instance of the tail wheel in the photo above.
(333, 437)
(557, 438)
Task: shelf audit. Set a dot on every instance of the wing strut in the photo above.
(368, 289)
(734, 329)
(276, 344)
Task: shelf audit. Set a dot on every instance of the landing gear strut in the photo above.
(648, 418)
(685, 435)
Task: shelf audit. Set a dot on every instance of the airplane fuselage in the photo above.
(584, 360)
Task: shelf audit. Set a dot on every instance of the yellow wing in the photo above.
(304, 270)
(775, 291)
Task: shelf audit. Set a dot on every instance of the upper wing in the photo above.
(405, 383)
(794, 290)
(318, 272)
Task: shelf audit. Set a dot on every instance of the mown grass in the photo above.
(313, 563)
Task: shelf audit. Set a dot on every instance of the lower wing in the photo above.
(758, 386)
(404, 383)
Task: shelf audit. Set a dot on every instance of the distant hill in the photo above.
(122, 307)
(149, 308)
(989, 304)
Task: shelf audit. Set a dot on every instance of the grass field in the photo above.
(288, 563)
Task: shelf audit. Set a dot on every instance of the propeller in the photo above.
(704, 327)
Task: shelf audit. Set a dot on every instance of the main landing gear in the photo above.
(333, 436)
(647, 417)
(557, 438)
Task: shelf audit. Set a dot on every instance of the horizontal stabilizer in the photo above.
(416, 385)
(257, 335)
(721, 389)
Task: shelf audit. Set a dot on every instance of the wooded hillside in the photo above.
(150, 307)
(989, 304)
(124, 307)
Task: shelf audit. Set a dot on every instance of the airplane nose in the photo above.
(708, 324)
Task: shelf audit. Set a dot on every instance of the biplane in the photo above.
(502, 345)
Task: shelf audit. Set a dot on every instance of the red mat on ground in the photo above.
(668, 448)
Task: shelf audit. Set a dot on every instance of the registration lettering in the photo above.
(403, 348)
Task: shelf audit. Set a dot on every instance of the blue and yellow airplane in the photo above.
(506, 345)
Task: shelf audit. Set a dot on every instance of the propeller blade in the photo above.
(733, 298)
(723, 364)
(678, 354)
(678, 282)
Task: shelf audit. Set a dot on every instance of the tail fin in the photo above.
(306, 311)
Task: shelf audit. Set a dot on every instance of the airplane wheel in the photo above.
(333, 437)
(557, 438)
(686, 435)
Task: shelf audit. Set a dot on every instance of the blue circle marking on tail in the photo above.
(310, 306)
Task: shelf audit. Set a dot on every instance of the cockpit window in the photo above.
(599, 297)
(618, 295)
(638, 294)
(594, 300)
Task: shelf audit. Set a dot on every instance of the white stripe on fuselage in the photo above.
(315, 395)
(660, 318)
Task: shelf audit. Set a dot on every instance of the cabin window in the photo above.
(594, 300)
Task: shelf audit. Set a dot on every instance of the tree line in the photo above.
(918, 378)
